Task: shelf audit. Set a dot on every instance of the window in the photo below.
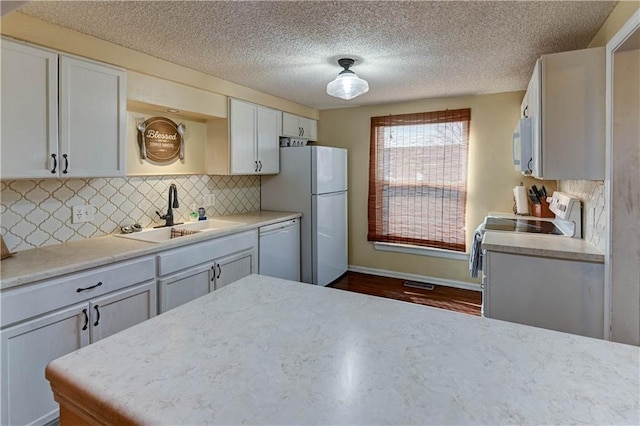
(418, 179)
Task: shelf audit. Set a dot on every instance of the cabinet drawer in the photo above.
(186, 257)
(44, 296)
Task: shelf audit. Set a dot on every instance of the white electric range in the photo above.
(568, 220)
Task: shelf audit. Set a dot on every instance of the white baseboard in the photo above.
(415, 277)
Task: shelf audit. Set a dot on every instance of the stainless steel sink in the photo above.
(158, 235)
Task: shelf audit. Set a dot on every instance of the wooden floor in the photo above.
(453, 299)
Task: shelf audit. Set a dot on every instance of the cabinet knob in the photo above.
(55, 163)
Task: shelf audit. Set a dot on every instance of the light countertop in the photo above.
(51, 261)
(558, 247)
(268, 351)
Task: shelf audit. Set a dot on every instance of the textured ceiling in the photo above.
(405, 50)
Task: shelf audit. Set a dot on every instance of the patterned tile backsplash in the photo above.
(37, 213)
(594, 216)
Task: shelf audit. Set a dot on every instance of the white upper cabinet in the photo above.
(251, 145)
(295, 126)
(566, 101)
(29, 111)
(268, 148)
(61, 116)
(243, 137)
(92, 119)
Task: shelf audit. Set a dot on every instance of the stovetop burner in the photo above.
(521, 225)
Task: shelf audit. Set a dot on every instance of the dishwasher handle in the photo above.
(278, 226)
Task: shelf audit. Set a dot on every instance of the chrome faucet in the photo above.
(173, 204)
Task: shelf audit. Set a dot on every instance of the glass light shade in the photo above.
(347, 85)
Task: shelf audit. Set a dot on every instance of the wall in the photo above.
(614, 22)
(491, 176)
(37, 213)
(194, 146)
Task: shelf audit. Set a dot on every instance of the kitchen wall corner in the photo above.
(594, 217)
(37, 213)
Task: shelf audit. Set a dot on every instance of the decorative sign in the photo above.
(160, 139)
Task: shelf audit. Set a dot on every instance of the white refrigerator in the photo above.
(313, 181)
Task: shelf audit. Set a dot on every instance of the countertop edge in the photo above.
(138, 248)
(515, 248)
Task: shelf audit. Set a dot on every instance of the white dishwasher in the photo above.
(280, 250)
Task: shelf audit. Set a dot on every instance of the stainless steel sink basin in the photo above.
(158, 235)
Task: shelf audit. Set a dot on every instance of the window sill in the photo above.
(421, 251)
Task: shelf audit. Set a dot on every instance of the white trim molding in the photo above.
(617, 41)
(421, 251)
(415, 277)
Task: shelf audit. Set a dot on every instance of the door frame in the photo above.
(615, 44)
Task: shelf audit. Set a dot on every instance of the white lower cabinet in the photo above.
(557, 294)
(117, 311)
(44, 321)
(182, 287)
(189, 272)
(26, 350)
(234, 267)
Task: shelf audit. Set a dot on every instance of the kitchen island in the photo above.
(268, 351)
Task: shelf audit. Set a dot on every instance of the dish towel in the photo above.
(475, 260)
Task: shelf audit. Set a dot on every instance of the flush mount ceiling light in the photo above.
(347, 84)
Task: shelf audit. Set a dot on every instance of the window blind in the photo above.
(418, 179)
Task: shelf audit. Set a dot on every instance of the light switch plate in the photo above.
(82, 214)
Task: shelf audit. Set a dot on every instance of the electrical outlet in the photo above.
(209, 200)
(82, 214)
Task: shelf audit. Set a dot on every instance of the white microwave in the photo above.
(521, 146)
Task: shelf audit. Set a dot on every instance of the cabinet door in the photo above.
(557, 294)
(234, 267)
(116, 311)
(183, 287)
(290, 125)
(29, 128)
(573, 114)
(242, 137)
(27, 348)
(92, 119)
(533, 111)
(268, 141)
(309, 128)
